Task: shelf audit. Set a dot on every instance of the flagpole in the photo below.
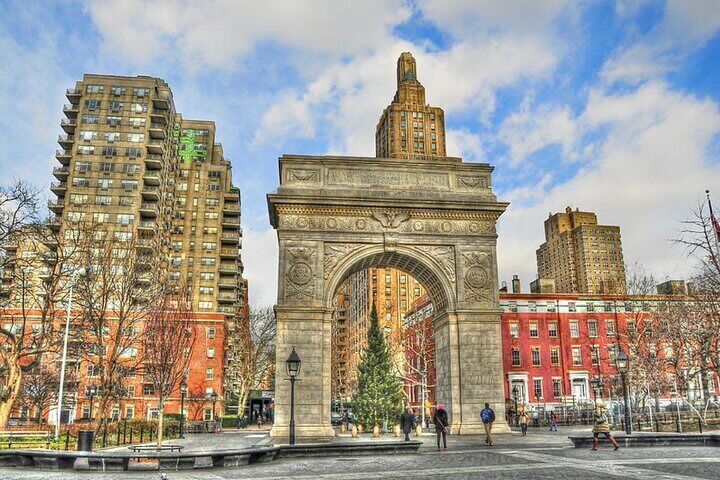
(713, 221)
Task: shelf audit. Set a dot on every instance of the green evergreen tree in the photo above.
(379, 396)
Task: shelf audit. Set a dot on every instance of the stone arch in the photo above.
(415, 262)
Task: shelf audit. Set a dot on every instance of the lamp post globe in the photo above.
(622, 363)
(293, 369)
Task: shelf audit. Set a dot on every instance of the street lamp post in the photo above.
(92, 391)
(79, 273)
(183, 392)
(622, 362)
(597, 386)
(213, 399)
(293, 369)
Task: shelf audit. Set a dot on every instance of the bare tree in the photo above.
(196, 400)
(39, 389)
(251, 356)
(114, 300)
(168, 339)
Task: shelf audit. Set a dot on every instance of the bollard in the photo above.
(418, 430)
(343, 430)
(376, 431)
(396, 430)
(354, 431)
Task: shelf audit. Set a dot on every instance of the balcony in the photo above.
(159, 116)
(54, 223)
(149, 210)
(70, 110)
(156, 146)
(73, 95)
(157, 130)
(61, 173)
(228, 268)
(151, 193)
(63, 156)
(154, 162)
(229, 253)
(66, 141)
(227, 283)
(145, 243)
(59, 188)
(230, 237)
(162, 101)
(231, 222)
(226, 298)
(231, 209)
(152, 178)
(229, 310)
(68, 124)
(147, 226)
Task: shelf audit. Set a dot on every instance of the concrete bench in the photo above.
(155, 448)
(654, 440)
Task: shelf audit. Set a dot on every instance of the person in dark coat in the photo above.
(440, 419)
(407, 423)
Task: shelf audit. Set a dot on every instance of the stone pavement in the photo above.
(540, 455)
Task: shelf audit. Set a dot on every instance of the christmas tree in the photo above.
(379, 396)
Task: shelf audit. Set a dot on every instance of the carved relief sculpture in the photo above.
(334, 252)
(300, 276)
(444, 255)
(478, 277)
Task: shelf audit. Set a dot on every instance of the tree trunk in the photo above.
(103, 403)
(13, 386)
(161, 406)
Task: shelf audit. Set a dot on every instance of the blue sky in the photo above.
(607, 106)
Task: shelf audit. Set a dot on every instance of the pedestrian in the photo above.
(407, 423)
(524, 418)
(601, 426)
(553, 422)
(346, 420)
(440, 419)
(488, 417)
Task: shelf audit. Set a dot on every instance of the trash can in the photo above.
(85, 440)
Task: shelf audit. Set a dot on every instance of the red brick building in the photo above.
(205, 375)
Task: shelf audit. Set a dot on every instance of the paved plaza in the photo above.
(540, 455)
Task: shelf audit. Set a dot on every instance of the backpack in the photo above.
(487, 415)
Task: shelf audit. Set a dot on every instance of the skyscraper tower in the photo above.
(408, 126)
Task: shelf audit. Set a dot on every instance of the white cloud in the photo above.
(218, 33)
(650, 169)
(685, 26)
(528, 131)
(260, 258)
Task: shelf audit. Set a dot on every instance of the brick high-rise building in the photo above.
(580, 255)
(154, 184)
(409, 126)
(130, 161)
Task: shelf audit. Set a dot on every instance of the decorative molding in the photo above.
(334, 252)
(471, 181)
(303, 175)
(477, 277)
(444, 255)
(387, 178)
(300, 276)
(390, 218)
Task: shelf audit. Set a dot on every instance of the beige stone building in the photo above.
(131, 162)
(409, 126)
(580, 255)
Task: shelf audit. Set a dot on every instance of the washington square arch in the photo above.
(412, 208)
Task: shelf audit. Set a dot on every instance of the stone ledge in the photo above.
(655, 440)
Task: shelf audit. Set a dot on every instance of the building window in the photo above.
(533, 329)
(574, 329)
(612, 353)
(610, 328)
(535, 352)
(537, 387)
(592, 328)
(555, 356)
(630, 328)
(207, 415)
(211, 352)
(576, 358)
(209, 374)
(129, 411)
(148, 389)
(86, 412)
(557, 387)
(515, 357)
(205, 305)
(552, 329)
(514, 332)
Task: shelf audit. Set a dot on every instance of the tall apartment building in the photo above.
(580, 255)
(130, 161)
(409, 126)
